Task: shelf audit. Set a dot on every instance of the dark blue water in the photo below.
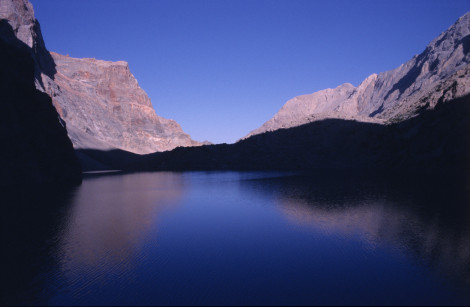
(237, 238)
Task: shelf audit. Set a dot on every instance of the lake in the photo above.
(224, 238)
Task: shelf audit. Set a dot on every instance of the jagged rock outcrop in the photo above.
(105, 108)
(35, 147)
(26, 28)
(394, 94)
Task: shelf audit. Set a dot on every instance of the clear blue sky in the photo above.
(222, 68)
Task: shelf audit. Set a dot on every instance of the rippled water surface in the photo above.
(237, 238)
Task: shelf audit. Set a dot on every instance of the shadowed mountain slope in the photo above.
(435, 140)
(35, 146)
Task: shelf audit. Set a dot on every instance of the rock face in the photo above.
(20, 16)
(392, 95)
(105, 108)
(35, 146)
(100, 101)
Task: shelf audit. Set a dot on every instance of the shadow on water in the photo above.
(31, 217)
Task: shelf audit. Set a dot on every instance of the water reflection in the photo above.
(110, 219)
(423, 217)
(237, 238)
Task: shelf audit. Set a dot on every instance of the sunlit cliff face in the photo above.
(105, 108)
(98, 236)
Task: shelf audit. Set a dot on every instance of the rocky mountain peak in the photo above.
(443, 56)
(397, 93)
(455, 35)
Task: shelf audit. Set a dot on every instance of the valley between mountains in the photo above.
(94, 116)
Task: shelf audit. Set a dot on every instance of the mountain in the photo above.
(433, 141)
(413, 118)
(35, 147)
(100, 101)
(389, 96)
(105, 108)
(385, 125)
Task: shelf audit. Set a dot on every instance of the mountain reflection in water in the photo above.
(238, 238)
(111, 219)
(424, 217)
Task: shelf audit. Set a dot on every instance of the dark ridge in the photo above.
(434, 141)
(35, 145)
(101, 160)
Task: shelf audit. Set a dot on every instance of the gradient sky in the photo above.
(222, 68)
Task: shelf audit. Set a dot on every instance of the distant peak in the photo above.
(458, 30)
(368, 80)
(389, 93)
(346, 85)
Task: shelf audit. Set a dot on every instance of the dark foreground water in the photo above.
(237, 238)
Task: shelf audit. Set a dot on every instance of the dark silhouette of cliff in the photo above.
(35, 145)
